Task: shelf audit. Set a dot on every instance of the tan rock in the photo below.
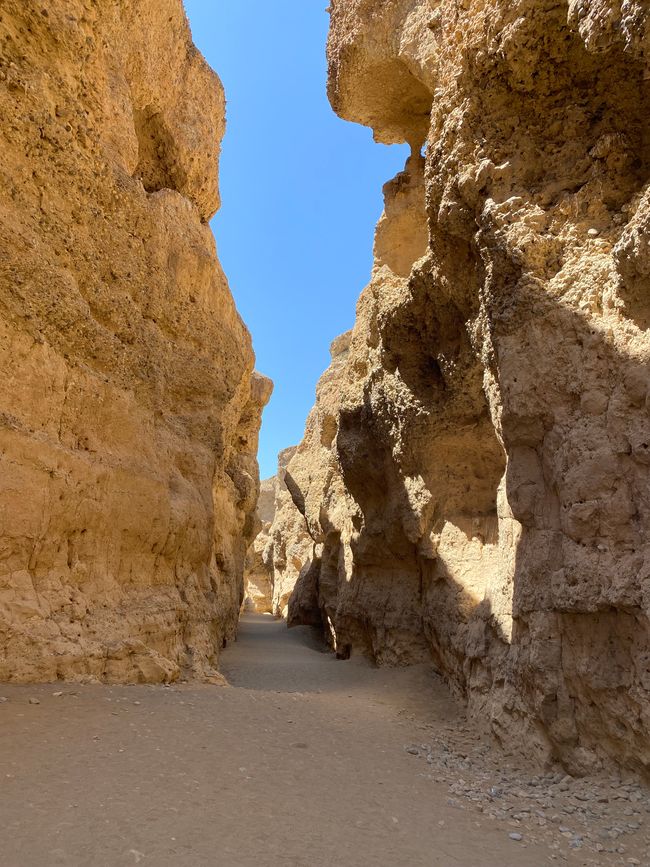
(128, 410)
(290, 544)
(474, 474)
(282, 547)
(258, 585)
(258, 575)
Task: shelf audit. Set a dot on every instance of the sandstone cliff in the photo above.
(281, 548)
(129, 411)
(258, 574)
(474, 474)
(290, 544)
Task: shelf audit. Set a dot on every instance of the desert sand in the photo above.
(301, 760)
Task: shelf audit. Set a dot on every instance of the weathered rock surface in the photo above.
(128, 408)
(474, 474)
(291, 545)
(282, 547)
(258, 575)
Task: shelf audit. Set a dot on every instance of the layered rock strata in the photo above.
(129, 410)
(474, 474)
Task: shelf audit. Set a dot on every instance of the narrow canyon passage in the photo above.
(303, 760)
(466, 510)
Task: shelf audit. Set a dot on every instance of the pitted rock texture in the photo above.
(129, 411)
(474, 474)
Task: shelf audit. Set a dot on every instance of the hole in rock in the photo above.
(158, 164)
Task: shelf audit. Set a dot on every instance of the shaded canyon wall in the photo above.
(129, 411)
(475, 472)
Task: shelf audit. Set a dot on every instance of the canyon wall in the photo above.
(475, 473)
(258, 572)
(129, 410)
(281, 548)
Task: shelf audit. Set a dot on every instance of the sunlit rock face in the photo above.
(475, 472)
(290, 544)
(129, 410)
(258, 573)
(281, 548)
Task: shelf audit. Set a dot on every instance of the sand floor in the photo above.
(302, 761)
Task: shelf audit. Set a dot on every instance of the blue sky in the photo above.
(301, 193)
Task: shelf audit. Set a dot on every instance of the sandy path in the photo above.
(300, 762)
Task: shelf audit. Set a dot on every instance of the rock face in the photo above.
(281, 548)
(290, 544)
(475, 473)
(129, 411)
(258, 593)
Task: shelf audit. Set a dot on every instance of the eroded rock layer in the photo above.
(128, 408)
(475, 473)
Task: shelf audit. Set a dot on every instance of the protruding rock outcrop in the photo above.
(129, 410)
(475, 471)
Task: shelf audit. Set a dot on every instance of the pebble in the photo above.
(603, 812)
(34, 701)
(3, 698)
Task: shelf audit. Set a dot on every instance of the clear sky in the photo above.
(301, 192)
